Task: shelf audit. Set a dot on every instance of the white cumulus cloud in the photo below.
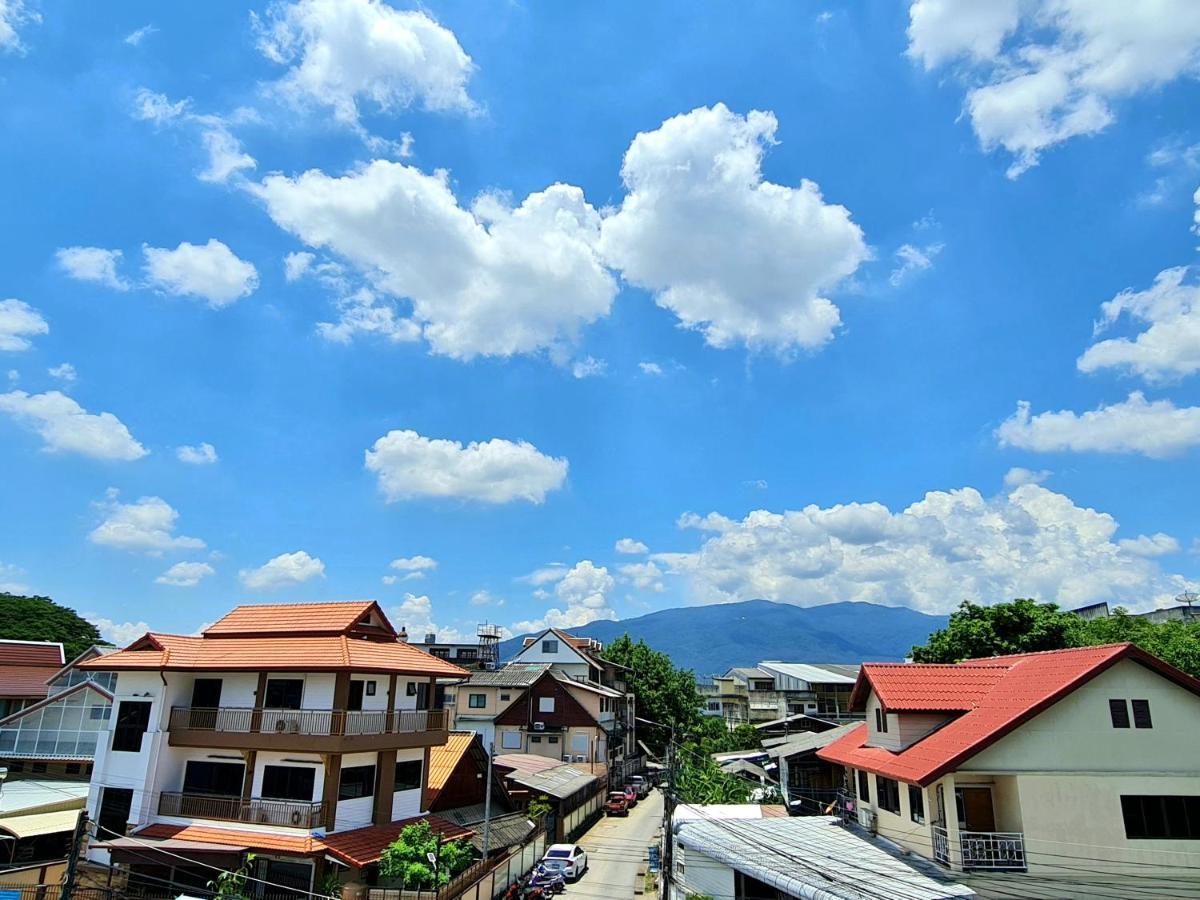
(493, 280)
(948, 547)
(1041, 72)
(1169, 347)
(223, 149)
(409, 465)
(415, 616)
(15, 14)
(1018, 475)
(209, 271)
(145, 526)
(185, 574)
(93, 264)
(63, 372)
(203, 454)
(582, 597)
(1150, 545)
(739, 258)
(911, 259)
(414, 564)
(630, 546)
(344, 53)
(588, 367)
(650, 368)
(1157, 429)
(120, 634)
(18, 322)
(66, 427)
(644, 576)
(285, 570)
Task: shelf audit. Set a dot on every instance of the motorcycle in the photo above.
(551, 881)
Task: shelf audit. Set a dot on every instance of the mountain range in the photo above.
(712, 639)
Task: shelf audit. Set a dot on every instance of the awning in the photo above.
(40, 823)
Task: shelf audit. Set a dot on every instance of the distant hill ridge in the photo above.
(712, 639)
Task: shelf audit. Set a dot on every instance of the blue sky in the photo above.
(514, 313)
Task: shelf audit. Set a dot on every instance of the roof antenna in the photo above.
(1188, 598)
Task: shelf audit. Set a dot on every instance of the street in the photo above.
(615, 847)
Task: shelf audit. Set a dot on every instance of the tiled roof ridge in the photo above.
(958, 666)
(1091, 648)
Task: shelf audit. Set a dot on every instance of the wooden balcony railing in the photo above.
(291, 813)
(322, 722)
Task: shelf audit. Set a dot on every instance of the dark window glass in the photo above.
(423, 695)
(113, 817)
(288, 783)
(221, 779)
(206, 693)
(408, 775)
(38, 768)
(73, 768)
(1119, 711)
(477, 701)
(549, 646)
(133, 718)
(357, 781)
(284, 693)
(916, 804)
(864, 786)
(1159, 817)
(1141, 713)
(889, 794)
(411, 689)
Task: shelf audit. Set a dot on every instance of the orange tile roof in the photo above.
(27, 682)
(444, 759)
(358, 848)
(1013, 690)
(31, 653)
(174, 652)
(364, 846)
(291, 618)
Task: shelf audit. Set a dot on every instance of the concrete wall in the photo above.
(700, 875)
(406, 804)
(356, 813)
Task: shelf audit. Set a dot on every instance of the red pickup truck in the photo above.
(617, 804)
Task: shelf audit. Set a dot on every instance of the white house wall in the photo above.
(406, 804)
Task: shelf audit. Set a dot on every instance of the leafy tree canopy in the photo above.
(1025, 626)
(407, 859)
(665, 694)
(41, 619)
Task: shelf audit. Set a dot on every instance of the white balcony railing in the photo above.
(992, 851)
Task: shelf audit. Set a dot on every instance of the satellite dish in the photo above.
(1187, 598)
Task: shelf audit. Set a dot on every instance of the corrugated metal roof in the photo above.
(998, 694)
(812, 857)
(30, 796)
(560, 781)
(808, 741)
(40, 823)
(512, 675)
(813, 673)
(31, 653)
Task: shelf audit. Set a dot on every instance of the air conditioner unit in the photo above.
(539, 726)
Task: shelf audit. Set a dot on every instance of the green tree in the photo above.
(232, 885)
(975, 631)
(700, 780)
(665, 694)
(1025, 626)
(41, 619)
(407, 859)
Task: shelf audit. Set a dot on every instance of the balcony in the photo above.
(314, 730)
(288, 813)
(984, 851)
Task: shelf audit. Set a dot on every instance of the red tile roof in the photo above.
(293, 618)
(364, 846)
(997, 695)
(223, 652)
(25, 682)
(358, 848)
(31, 653)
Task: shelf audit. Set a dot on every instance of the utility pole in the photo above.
(487, 803)
(668, 865)
(72, 861)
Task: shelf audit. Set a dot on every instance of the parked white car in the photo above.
(570, 859)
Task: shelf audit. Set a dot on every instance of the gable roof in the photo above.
(54, 698)
(260, 620)
(91, 652)
(584, 646)
(998, 695)
(444, 759)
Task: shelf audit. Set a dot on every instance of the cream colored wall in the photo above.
(904, 729)
(899, 828)
(1076, 734)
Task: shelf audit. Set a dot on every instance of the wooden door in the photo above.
(977, 809)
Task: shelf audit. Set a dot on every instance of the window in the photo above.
(553, 739)
(477, 701)
(408, 775)
(113, 818)
(284, 693)
(1171, 818)
(1141, 713)
(714, 705)
(99, 713)
(410, 688)
(549, 646)
(889, 794)
(546, 704)
(1118, 710)
(880, 720)
(864, 786)
(38, 768)
(535, 739)
(510, 740)
(216, 779)
(357, 781)
(288, 783)
(504, 697)
(370, 689)
(133, 718)
(916, 804)
(74, 768)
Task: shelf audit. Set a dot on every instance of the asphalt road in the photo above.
(615, 846)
